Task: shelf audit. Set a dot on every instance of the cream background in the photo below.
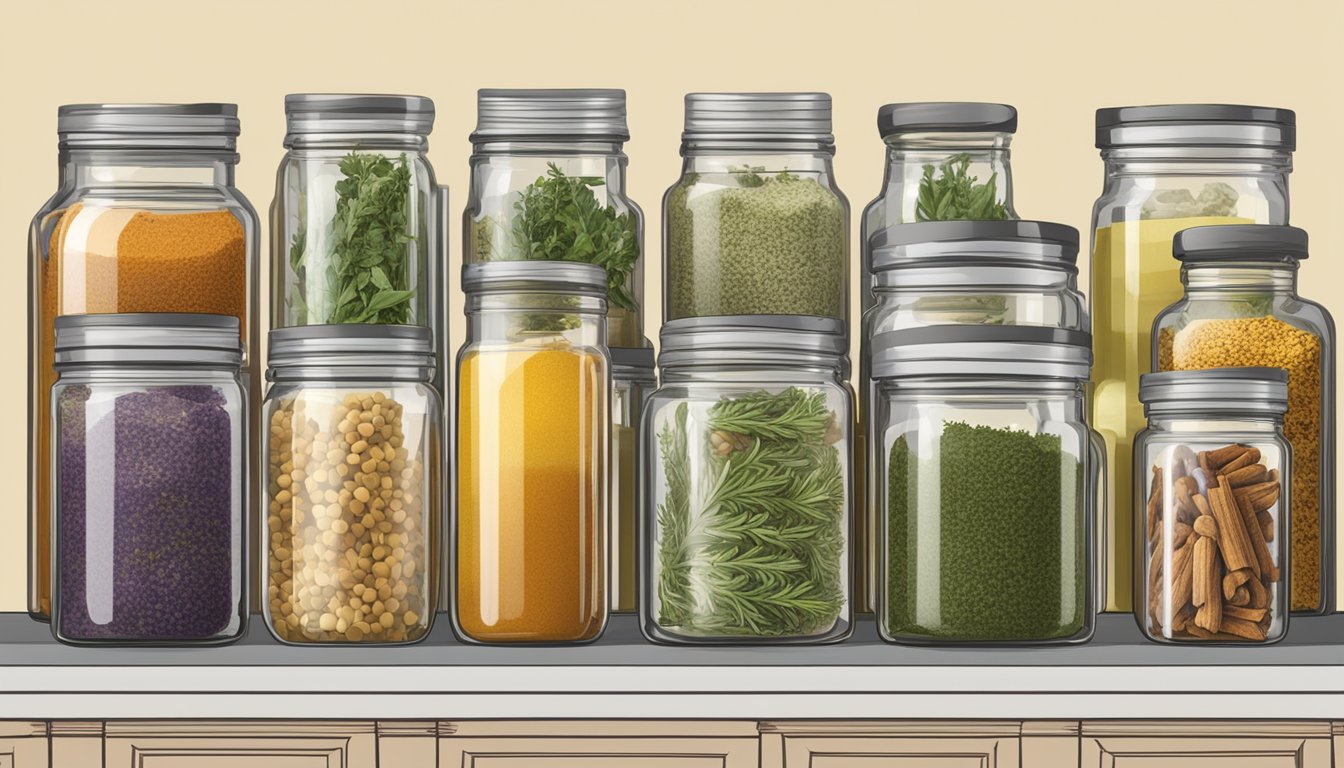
(1056, 60)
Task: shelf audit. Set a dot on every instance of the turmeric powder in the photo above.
(105, 259)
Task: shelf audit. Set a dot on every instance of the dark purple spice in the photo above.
(150, 529)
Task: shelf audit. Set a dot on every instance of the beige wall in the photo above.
(1056, 60)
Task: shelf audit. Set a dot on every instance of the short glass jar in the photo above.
(633, 377)
(747, 483)
(984, 509)
(1212, 484)
(548, 184)
(149, 473)
(756, 224)
(354, 485)
(533, 446)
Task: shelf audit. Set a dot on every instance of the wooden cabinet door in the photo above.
(890, 745)
(1206, 744)
(240, 744)
(573, 744)
(23, 744)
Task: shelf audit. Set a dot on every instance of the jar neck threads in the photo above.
(1222, 278)
(103, 167)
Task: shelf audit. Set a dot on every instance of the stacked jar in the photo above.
(1167, 168)
(633, 377)
(1241, 308)
(747, 483)
(145, 218)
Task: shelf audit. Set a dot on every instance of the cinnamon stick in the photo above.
(1242, 628)
(1233, 541)
(1241, 596)
(1248, 614)
(1248, 457)
(1251, 475)
(1220, 457)
(1259, 594)
(1263, 556)
(1205, 573)
(1206, 526)
(1233, 580)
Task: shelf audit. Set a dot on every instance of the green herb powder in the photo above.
(985, 538)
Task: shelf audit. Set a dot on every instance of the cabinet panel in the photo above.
(576, 744)
(23, 744)
(890, 744)
(1207, 745)
(223, 744)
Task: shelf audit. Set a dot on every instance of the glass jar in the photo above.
(632, 379)
(1241, 308)
(533, 432)
(536, 153)
(354, 213)
(756, 224)
(1211, 488)
(145, 218)
(933, 145)
(1168, 168)
(353, 484)
(747, 483)
(149, 479)
(984, 510)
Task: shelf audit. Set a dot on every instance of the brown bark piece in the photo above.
(1155, 503)
(1206, 526)
(1241, 597)
(1182, 583)
(1203, 458)
(1233, 541)
(1180, 533)
(1250, 475)
(1235, 579)
(1259, 546)
(1242, 628)
(1266, 522)
(1248, 457)
(1206, 571)
(1220, 457)
(1259, 594)
(1248, 614)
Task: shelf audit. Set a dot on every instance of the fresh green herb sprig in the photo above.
(954, 194)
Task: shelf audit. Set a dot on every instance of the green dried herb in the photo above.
(751, 529)
(954, 194)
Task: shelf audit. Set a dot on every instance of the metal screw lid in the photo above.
(758, 116)
(161, 338)
(955, 241)
(982, 351)
(737, 338)
(946, 117)
(1234, 125)
(569, 277)
(210, 126)
(1238, 390)
(335, 346)
(1240, 242)
(556, 113)
(326, 113)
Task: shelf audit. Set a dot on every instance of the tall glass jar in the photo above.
(985, 461)
(633, 377)
(149, 479)
(1212, 488)
(756, 224)
(353, 486)
(746, 483)
(934, 146)
(1167, 168)
(548, 184)
(1241, 308)
(533, 432)
(145, 218)
(354, 213)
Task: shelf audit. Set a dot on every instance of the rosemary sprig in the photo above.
(954, 194)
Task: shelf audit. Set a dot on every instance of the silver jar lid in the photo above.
(348, 345)
(1032, 242)
(758, 116)
(208, 126)
(1232, 390)
(946, 117)
(738, 338)
(335, 113)
(160, 338)
(567, 277)
(1197, 125)
(632, 363)
(982, 351)
(1240, 242)
(550, 113)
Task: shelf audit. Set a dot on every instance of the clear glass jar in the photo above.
(145, 218)
(354, 213)
(149, 480)
(534, 152)
(633, 377)
(1241, 308)
(746, 483)
(984, 509)
(1167, 168)
(931, 145)
(354, 485)
(533, 441)
(756, 224)
(1211, 486)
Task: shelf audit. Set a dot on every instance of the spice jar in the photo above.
(548, 184)
(946, 160)
(353, 484)
(747, 483)
(984, 510)
(533, 431)
(354, 212)
(756, 225)
(149, 479)
(1241, 308)
(1167, 168)
(1212, 485)
(632, 379)
(145, 218)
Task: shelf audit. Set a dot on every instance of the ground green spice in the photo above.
(977, 536)
(744, 243)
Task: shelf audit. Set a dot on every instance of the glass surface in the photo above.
(627, 410)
